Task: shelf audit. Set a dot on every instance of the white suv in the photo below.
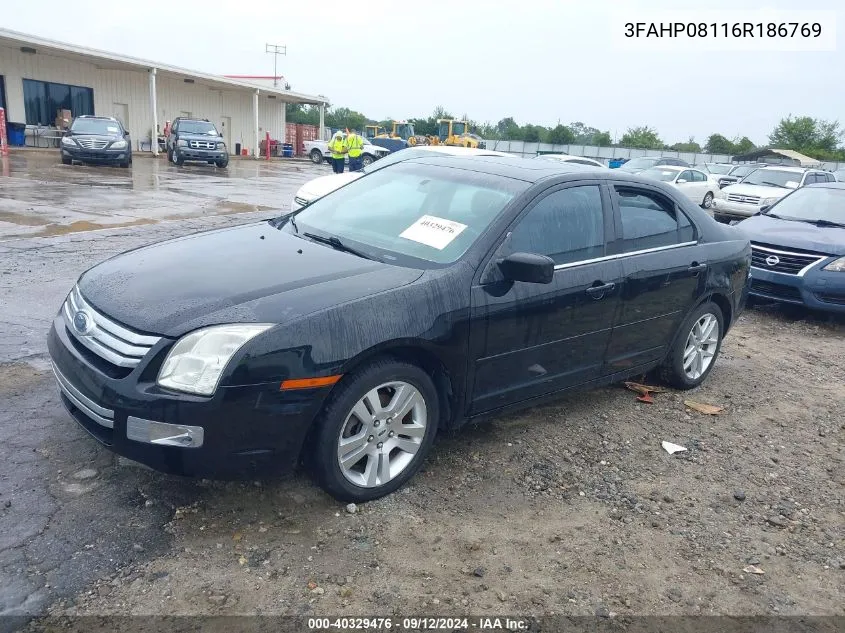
(762, 188)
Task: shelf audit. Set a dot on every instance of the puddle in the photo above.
(20, 219)
(81, 226)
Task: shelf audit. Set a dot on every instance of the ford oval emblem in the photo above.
(82, 323)
(773, 260)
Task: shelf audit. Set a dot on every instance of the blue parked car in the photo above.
(798, 248)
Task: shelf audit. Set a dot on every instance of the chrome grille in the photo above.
(779, 261)
(100, 415)
(735, 197)
(92, 143)
(202, 144)
(109, 340)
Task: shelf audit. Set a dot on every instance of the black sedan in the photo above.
(798, 248)
(97, 139)
(426, 294)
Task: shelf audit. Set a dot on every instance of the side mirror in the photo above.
(680, 181)
(528, 267)
(125, 132)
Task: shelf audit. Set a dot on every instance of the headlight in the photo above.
(768, 201)
(836, 266)
(221, 146)
(66, 140)
(198, 359)
(118, 145)
(181, 143)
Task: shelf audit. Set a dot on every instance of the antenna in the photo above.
(276, 50)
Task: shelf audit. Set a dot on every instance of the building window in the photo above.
(43, 100)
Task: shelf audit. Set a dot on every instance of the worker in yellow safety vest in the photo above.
(338, 148)
(356, 147)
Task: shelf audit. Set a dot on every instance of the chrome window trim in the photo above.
(606, 258)
(800, 273)
(101, 415)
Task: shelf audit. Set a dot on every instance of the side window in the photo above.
(698, 176)
(567, 225)
(686, 175)
(650, 221)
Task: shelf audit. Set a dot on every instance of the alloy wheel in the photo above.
(382, 434)
(700, 348)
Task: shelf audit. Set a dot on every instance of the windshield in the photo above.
(812, 204)
(459, 128)
(666, 175)
(740, 171)
(640, 163)
(718, 169)
(411, 214)
(95, 126)
(405, 131)
(198, 127)
(773, 178)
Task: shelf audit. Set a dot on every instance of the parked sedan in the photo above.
(431, 293)
(839, 174)
(319, 187)
(693, 183)
(566, 158)
(636, 165)
(798, 248)
(97, 139)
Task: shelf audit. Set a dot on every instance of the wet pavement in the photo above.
(69, 511)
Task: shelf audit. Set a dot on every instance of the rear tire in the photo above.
(388, 451)
(695, 349)
(708, 200)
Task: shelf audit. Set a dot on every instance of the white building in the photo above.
(40, 76)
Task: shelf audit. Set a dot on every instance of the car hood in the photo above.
(187, 136)
(99, 137)
(761, 191)
(319, 187)
(788, 233)
(253, 273)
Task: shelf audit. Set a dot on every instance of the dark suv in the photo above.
(196, 140)
(97, 139)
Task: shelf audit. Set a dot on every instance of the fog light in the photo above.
(151, 432)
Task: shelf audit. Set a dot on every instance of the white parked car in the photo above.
(319, 187)
(762, 188)
(566, 158)
(698, 186)
(318, 152)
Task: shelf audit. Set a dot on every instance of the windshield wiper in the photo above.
(769, 184)
(336, 244)
(825, 223)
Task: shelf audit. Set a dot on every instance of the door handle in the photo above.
(597, 292)
(695, 267)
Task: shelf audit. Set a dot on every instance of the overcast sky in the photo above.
(539, 61)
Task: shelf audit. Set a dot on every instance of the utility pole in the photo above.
(276, 50)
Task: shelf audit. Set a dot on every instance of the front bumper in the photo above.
(95, 155)
(201, 155)
(723, 207)
(236, 433)
(818, 289)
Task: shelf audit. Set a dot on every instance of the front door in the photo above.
(529, 339)
(226, 128)
(120, 111)
(662, 265)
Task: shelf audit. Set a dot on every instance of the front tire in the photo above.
(177, 159)
(375, 431)
(66, 161)
(316, 156)
(695, 349)
(366, 160)
(222, 164)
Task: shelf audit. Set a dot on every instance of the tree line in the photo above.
(817, 138)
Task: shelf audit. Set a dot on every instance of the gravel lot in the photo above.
(570, 509)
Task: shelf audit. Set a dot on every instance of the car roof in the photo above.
(566, 157)
(790, 168)
(515, 167)
(827, 185)
(673, 167)
(460, 151)
(91, 116)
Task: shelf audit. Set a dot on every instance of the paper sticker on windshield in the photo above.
(792, 184)
(433, 231)
(112, 129)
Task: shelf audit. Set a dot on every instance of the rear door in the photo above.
(663, 267)
(532, 339)
(688, 187)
